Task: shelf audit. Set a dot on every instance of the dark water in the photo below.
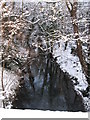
(46, 87)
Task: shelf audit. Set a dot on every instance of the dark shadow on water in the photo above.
(46, 87)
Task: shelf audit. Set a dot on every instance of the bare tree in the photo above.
(72, 7)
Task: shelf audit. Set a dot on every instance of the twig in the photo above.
(31, 22)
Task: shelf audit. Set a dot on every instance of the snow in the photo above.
(10, 84)
(2, 97)
(47, 1)
(67, 61)
(87, 103)
(71, 64)
(70, 7)
(35, 0)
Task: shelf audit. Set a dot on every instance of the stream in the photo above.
(45, 86)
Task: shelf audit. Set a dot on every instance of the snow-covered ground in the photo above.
(10, 83)
(70, 63)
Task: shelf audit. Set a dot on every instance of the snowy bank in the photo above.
(70, 63)
(10, 84)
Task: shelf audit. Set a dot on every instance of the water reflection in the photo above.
(45, 86)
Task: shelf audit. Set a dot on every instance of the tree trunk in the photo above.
(2, 54)
(22, 7)
(73, 11)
